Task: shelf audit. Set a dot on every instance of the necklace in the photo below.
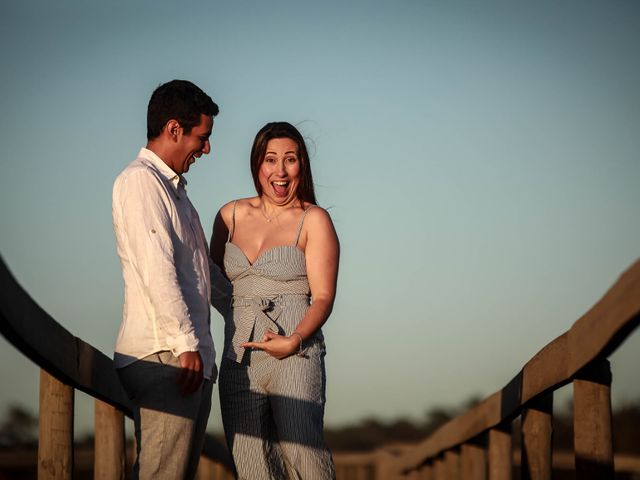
(267, 217)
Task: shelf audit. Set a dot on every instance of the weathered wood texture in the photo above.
(593, 441)
(75, 363)
(500, 453)
(440, 469)
(427, 473)
(55, 435)
(537, 434)
(473, 461)
(109, 451)
(593, 336)
(452, 463)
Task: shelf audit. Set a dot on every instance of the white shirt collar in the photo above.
(166, 171)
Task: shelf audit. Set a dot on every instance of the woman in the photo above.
(280, 252)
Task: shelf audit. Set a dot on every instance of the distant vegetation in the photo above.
(371, 433)
(19, 428)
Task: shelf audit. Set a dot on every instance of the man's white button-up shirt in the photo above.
(165, 265)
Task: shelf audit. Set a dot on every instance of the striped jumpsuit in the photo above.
(272, 410)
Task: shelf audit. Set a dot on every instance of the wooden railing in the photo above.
(477, 445)
(69, 363)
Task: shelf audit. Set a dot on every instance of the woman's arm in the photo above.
(322, 253)
(220, 234)
(221, 288)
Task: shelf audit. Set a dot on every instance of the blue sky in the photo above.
(480, 162)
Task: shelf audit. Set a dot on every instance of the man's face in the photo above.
(192, 145)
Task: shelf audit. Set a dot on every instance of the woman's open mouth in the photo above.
(280, 188)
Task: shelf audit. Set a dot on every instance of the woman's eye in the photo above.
(270, 160)
(291, 160)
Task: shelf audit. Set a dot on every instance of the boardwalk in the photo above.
(475, 445)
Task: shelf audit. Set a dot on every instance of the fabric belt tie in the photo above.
(255, 310)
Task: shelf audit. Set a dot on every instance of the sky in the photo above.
(480, 161)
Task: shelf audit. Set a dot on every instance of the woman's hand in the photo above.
(278, 346)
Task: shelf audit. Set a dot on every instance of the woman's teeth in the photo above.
(280, 188)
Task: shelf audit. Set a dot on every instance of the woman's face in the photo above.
(280, 170)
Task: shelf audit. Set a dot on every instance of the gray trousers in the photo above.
(272, 411)
(169, 426)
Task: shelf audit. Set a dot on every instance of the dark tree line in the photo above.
(19, 428)
(371, 433)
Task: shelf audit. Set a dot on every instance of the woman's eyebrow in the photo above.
(286, 153)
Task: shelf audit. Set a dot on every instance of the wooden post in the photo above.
(427, 472)
(412, 475)
(211, 470)
(55, 437)
(206, 468)
(384, 466)
(109, 452)
(363, 472)
(500, 453)
(592, 422)
(452, 461)
(439, 468)
(536, 439)
(473, 462)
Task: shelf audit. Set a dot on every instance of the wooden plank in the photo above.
(536, 439)
(110, 449)
(547, 369)
(473, 462)
(55, 436)
(605, 326)
(465, 427)
(452, 464)
(592, 423)
(412, 475)
(427, 472)
(500, 452)
(440, 469)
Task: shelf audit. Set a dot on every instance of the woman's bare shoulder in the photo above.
(240, 205)
(316, 213)
(317, 219)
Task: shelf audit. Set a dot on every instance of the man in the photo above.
(164, 352)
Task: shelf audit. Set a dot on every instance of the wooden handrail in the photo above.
(593, 337)
(579, 355)
(69, 359)
(53, 348)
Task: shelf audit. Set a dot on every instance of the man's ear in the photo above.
(173, 129)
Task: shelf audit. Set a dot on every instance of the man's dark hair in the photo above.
(180, 100)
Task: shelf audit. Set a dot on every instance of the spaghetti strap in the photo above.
(233, 222)
(301, 222)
